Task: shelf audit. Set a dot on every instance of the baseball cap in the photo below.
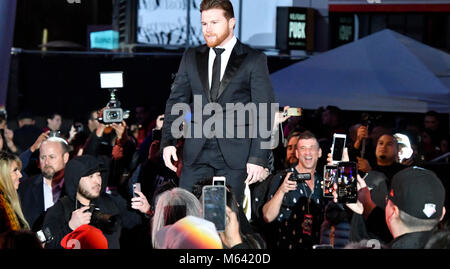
(189, 233)
(418, 192)
(85, 237)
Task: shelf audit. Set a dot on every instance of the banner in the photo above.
(165, 22)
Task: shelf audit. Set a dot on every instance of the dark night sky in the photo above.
(63, 20)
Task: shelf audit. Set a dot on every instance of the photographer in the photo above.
(88, 203)
(111, 142)
(296, 205)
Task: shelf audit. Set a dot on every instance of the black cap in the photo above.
(418, 192)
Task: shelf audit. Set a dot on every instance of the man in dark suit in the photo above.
(212, 79)
(40, 192)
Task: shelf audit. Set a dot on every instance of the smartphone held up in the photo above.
(214, 205)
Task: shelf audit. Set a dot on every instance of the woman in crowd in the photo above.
(171, 206)
(11, 216)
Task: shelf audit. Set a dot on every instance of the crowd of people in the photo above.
(142, 184)
(75, 189)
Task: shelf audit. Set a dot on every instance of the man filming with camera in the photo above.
(296, 205)
(88, 203)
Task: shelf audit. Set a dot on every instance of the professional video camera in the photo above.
(112, 113)
(369, 120)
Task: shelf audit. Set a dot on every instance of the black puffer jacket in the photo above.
(58, 216)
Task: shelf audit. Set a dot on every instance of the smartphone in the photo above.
(293, 111)
(214, 204)
(346, 181)
(136, 187)
(219, 181)
(329, 178)
(44, 235)
(337, 149)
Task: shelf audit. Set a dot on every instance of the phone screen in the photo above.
(338, 148)
(136, 187)
(329, 178)
(214, 202)
(294, 111)
(346, 181)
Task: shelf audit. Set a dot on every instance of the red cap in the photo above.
(85, 237)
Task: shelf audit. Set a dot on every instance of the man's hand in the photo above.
(159, 122)
(231, 236)
(279, 117)
(80, 217)
(364, 205)
(361, 134)
(255, 173)
(345, 157)
(169, 153)
(119, 128)
(363, 165)
(140, 203)
(72, 133)
(288, 185)
(39, 140)
(100, 129)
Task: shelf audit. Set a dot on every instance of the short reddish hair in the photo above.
(225, 5)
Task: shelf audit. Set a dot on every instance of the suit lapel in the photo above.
(202, 67)
(39, 192)
(236, 58)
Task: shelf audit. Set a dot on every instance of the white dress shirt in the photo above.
(48, 195)
(225, 56)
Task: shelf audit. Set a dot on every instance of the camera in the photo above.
(107, 223)
(368, 120)
(299, 177)
(55, 134)
(78, 127)
(112, 113)
(44, 235)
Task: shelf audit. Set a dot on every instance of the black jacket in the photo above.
(31, 196)
(58, 217)
(246, 80)
(416, 240)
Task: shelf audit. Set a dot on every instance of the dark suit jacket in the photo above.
(246, 81)
(31, 196)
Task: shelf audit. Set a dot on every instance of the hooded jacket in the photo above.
(58, 216)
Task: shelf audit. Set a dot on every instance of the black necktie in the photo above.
(215, 82)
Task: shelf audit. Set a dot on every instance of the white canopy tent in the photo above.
(385, 71)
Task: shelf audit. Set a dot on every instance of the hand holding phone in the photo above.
(329, 178)
(347, 189)
(337, 149)
(214, 205)
(293, 111)
(136, 187)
